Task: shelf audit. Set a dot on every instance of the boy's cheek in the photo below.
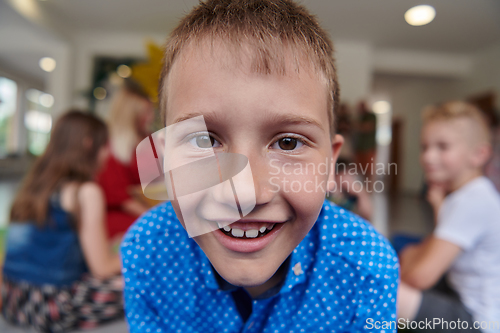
(308, 187)
(305, 194)
(312, 176)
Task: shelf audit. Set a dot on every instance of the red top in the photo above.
(115, 179)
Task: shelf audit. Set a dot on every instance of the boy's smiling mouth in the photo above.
(247, 230)
(248, 236)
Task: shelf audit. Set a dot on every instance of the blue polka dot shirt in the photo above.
(342, 277)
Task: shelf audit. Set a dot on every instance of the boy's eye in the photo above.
(287, 143)
(204, 141)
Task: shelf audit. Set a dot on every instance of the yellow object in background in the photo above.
(148, 74)
(136, 193)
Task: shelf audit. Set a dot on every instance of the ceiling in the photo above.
(460, 25)
(22, 44)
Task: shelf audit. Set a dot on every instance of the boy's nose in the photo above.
(237, 192)
(236, 189)
(249, 188)
(261, 172)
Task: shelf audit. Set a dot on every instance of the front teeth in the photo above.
(252, 233)
(237, 232)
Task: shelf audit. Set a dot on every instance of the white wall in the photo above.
(354, 69)
(420, 63)
(485, 75)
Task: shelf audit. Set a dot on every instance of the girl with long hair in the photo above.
(59, 271)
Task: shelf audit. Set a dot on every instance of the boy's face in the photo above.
(447, 154)
(279, 123)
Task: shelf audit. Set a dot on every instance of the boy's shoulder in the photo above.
(158, 227)
(155, 242)
(354, 241)
(159, 217)
(478, 196)
(345, 264)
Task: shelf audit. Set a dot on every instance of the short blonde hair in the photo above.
(459, 110)
(271, 28)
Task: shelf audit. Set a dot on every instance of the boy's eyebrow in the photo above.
(288, 119)
(191, 115)
(291, 119)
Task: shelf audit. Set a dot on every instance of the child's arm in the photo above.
(92, 234)
(435, 195)
(423, 265)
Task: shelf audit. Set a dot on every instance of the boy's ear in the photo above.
(337, 142)
(482, 155)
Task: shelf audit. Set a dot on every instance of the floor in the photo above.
(117, 327)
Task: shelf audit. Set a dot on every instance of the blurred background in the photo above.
(57, 54)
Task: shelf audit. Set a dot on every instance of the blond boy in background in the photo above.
(455, 148)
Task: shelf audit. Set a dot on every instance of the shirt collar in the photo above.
(226, 286)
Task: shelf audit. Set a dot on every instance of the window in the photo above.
(8, 107)
(38, 120)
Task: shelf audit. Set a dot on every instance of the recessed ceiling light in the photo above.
(48, 64)
(420, 15)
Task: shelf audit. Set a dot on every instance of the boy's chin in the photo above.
(436, 178)
(245, 275)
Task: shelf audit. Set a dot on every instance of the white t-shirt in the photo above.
(470, 218)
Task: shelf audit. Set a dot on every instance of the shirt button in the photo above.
(297, 269)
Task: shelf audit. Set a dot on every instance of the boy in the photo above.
(261, 74)
(455, 148)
